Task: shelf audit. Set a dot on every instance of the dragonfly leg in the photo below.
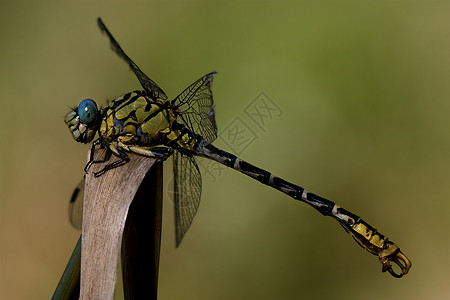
(91, 157)
(123, 159)
(160, 153)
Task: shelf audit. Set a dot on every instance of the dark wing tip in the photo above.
(101, 24)
(178, 241)
(213, 73)
(210, 77)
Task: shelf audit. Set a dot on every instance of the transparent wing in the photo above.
(188, 189)
(76, 206)
(149, 86)
(196, 108)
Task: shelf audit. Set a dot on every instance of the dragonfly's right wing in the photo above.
(195, 107)
(188, 189)
(76, 206)
(149, 85)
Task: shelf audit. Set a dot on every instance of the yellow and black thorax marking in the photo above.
(136, 119)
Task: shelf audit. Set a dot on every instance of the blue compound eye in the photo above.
(87, 110)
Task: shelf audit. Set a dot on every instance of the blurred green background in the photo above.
(364, 90)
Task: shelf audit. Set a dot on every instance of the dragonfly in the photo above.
(145, 122)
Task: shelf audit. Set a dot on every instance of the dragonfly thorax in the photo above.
(135, 118)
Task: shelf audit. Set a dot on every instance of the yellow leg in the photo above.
(160, 152)
(155, 152)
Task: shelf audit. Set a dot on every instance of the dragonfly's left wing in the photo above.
(76, 206)
(188, 189)
(149, 85)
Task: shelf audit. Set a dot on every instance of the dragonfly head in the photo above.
(82, 121)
